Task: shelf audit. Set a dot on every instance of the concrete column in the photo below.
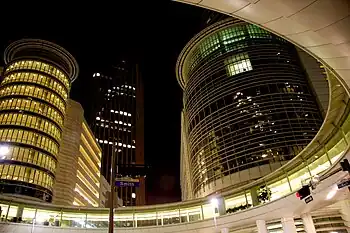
(345, 211)
(19, 211)
(288, 225)
(225, 230)
(261, 225)
(254, 196)
(309, 226)
(221, 206)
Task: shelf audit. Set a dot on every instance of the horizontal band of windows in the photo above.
(33, 105)
(255, 89)
(276, 151)
(252, 91)
(274, 110)
(26, 189)
(277, 84)
(29, 129)
(26, 174)
(33, 122)
(247, 122)
(218, 124)
(220, 74)
(31, 156)
(222, 47)
(39, 77)
(279, 135)
(32, 91)
(39, 66)
(32, 149)
(271, 56)
(30, 138)
(25, 164)
(23, 81)
(271, 62)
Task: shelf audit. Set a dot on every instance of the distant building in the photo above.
(78, 178)
(248, 107)
(118, 124)
(33, 96)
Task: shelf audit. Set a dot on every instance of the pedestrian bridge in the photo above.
(320, 27)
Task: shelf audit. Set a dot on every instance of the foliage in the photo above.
(264, 194)
(238, 208)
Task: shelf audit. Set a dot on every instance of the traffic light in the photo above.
(345, 165)
(303, 192)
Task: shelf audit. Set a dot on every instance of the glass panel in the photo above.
(279, 188)
(12, 214)
(209, 211)
(99, 220)
(335, 153)
(236, 202)
(3, 211)
(146, 219)
(319, 165)
(170, 217)
(72, 219)
(300, 177)
(191, 214)
(48, 218)
(123, 220)
(28, 215)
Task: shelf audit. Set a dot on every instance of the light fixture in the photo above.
(214, 202)
(4, 150)
(133, 195)
(332, 193)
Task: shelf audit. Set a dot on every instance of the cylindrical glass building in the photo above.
(248, 107)
(33, 93)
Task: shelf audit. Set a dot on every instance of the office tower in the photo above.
(118, 124)
(248, 106)
(36, 81)
(78, 178)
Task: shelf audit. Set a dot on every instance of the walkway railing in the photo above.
(328, 146)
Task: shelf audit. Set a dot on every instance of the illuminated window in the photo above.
(238, 63)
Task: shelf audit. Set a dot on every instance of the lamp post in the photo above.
(112, 194)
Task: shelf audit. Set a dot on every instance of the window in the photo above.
(238, 63)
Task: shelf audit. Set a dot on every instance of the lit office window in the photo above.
(238, 63)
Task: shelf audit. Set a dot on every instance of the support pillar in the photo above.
(261, 225)
(254, 196)
(345, 211)
(221, 206)
(309, 226)
(288, 225)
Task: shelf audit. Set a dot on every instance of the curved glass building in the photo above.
(33, 94)
(248, 107)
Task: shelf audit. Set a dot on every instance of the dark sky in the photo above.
(152, 32)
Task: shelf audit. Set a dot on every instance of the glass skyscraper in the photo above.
(33, 96)
(118, 123)
(248, 107)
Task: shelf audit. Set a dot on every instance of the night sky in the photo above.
(153, 34)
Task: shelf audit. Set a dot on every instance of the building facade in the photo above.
(248, 106)
(118, 125)
(78, 178)
(36, 81)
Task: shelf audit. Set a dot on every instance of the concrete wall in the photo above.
(66, 173)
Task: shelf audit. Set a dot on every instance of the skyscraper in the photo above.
(118, 124)
(36, 81)
(248, 107)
